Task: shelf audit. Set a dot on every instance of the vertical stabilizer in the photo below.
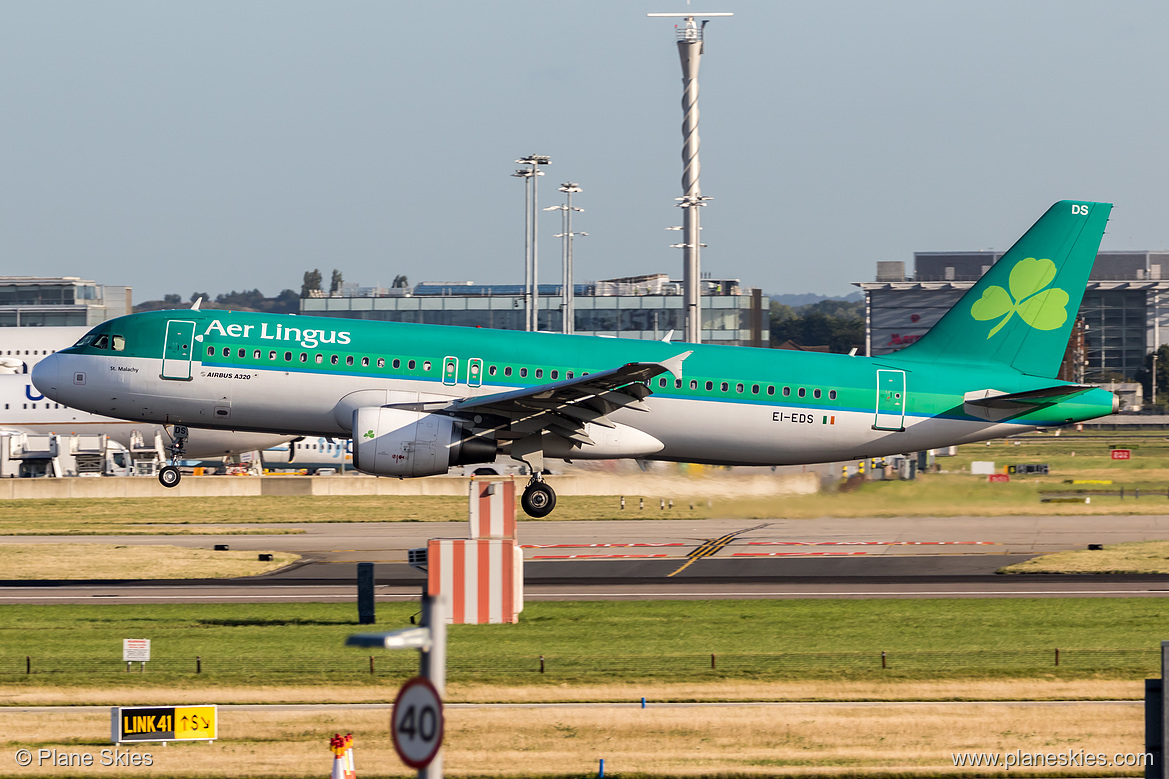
(1020, 313)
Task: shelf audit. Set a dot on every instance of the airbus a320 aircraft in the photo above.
(418, 399)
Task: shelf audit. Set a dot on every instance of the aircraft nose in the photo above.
(45, 376)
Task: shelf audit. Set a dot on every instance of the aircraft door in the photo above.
(176, 351)
(890, 400)
(474, 372)
(450, 371)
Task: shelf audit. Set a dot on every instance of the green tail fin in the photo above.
(1020, 313)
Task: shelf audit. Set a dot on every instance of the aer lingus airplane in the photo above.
(418, 399)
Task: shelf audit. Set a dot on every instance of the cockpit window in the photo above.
(102, 342)
(118, 342)
(86, 340)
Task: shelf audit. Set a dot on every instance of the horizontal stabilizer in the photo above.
(990, 398)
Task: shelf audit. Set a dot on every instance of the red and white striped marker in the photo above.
(492, 508)
(482, 577)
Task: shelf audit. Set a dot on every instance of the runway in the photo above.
(924, 557)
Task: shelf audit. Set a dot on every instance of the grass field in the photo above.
(795, 741)
(109, 561)
(587, 642)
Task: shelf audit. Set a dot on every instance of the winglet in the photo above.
(674, 364)
(195, 305)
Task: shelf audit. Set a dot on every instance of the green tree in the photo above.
(312, 282)
(1145, 376)
(197, 295)
(336, 282)
(400, 282)
(173, 300)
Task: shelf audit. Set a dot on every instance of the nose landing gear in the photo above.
(168, 475)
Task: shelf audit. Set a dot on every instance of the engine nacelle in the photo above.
(393, 442)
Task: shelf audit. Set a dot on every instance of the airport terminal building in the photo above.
(642, 307)
(63, 301)
(1124, 313)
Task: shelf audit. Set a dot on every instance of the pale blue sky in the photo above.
(215, 146)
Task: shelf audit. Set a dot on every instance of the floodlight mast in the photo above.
(531, 236)
(568, 302)
(690, 51)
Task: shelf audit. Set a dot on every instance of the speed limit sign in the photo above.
(416, 723)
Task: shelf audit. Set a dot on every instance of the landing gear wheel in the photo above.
(538, 500)
(169, 476)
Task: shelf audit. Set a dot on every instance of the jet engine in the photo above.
(394, 442)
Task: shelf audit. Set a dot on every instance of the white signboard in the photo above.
(135, 650)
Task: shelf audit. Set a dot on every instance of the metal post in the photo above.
(1154, 728)
(531, 237)
(432, 663)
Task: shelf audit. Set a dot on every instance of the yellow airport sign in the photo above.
(163, 723)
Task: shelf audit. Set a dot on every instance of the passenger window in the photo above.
(320, 358)
(396, 363)
(709, 386)
(693, 384)
(226, 352)
(770, 390)
(272, 355)
(802, 392)
(739, 388)
(210, 351)
(523, 373)
(539, 373)
(507, 371)
(816, 394)
(787, 391)
(555, 374)
(364, 362)
(349, 360)
(304, 357)
(569, 374)
(409, 365)
(426, 367)
(256, 354)
(661, 382)
(677, 384)
(119, 343)
(754, 389)
(334, 359)
(242, 353)
(288, 357)
(491, 371)
(832, 394)
(381, 362)
(724, 386)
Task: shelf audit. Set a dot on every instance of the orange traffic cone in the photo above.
(350, 767)
(337, 744)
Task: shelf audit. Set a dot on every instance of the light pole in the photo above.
(690, 49)
(567, 305)
(1154, 388)
(531, 237)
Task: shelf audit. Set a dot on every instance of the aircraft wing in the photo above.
(562, 407)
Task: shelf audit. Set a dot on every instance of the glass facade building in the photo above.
(29, 301)
(646, 307)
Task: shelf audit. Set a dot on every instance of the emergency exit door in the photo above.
(890, 401)
(176, 351)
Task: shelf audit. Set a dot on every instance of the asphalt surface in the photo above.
(657, 559)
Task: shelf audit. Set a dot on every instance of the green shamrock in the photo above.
(1044, 309)
(368, 434)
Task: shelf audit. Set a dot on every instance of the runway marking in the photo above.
(595, 556)
(796, 554)
(590, 546)
(874, 543)
(713, 546)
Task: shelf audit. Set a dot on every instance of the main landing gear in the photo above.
(538, 499)
(168, 475)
